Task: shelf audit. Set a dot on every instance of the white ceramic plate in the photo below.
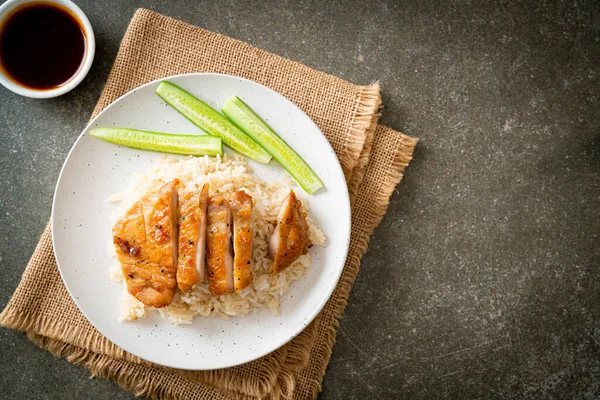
(81, 222)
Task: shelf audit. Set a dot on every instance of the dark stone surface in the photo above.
(482, 280)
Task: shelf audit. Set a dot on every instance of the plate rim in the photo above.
(284, 338)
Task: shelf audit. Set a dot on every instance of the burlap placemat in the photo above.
(373, 158)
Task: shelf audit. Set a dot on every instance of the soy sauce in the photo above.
(42, 45)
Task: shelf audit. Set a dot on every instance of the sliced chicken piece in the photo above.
(145, 239)
(219, 260)
(290, 238)
(241, 208)
(191, 268)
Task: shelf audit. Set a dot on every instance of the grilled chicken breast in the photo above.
(191, 268)
(145, 239)
(219, 260)
(290, 238)
(241, 208)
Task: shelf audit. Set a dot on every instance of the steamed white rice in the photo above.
(225, 175)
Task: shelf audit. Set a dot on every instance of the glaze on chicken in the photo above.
(219, 258)
(191, 268)
(241, 208)
(145, 239)
(290, 238)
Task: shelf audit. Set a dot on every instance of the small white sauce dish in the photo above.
(6, 11)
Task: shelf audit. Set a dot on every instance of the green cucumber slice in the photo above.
(248, 121)
(192, 145)
(211, 121)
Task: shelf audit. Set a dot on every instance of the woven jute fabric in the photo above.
(373, 158)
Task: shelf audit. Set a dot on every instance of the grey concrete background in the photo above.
(483, 280)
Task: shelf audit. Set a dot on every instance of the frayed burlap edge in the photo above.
(25, 323)
(141, 379)
(138, 380)
(362, 127)
(358, 173)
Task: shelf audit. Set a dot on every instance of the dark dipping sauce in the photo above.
(42, 45)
